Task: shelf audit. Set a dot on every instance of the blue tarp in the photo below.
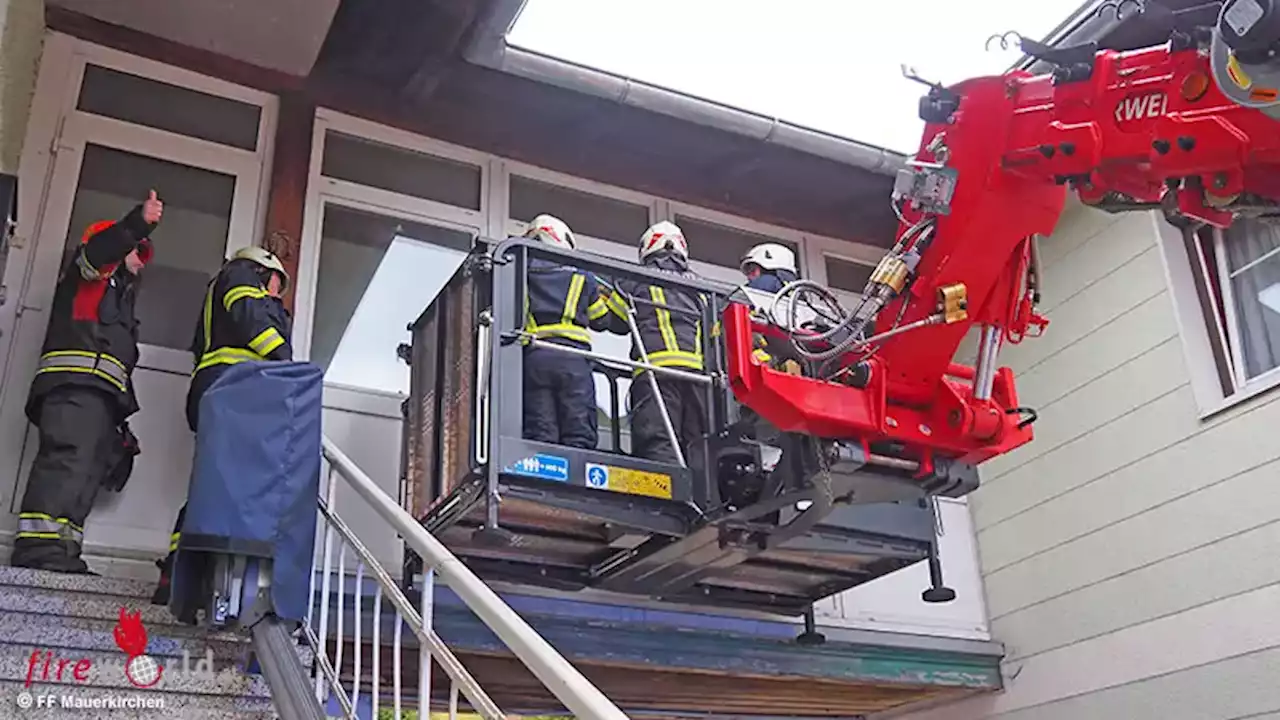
(255, 479)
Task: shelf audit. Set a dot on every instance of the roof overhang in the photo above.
(280, 35)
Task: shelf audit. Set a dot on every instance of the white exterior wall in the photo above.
(21, 38)
(1131, 554)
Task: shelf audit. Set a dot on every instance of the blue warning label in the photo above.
(546, 467)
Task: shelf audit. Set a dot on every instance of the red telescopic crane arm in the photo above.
(1146, 128)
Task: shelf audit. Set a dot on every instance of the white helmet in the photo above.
(770, 256)
(661, 236)
(264, 258)
(551, 230)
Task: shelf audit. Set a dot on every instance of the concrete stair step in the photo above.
(82, 604)
(188, 707)
(117, 587)
(106, 670)
(78, 633)
(171, 641)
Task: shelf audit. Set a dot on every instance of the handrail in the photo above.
(559, 676)
(480, 700)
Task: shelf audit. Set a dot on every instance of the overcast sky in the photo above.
(832, 65)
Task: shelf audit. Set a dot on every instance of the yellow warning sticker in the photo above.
(1236, 73)
(629, 481)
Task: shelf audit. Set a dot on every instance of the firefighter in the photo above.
(671, 339)
(83, 389)
(562, 304)
(769, 267)
(243, 319)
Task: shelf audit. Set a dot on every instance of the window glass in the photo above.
(846, 275)
(377, 275)
(159, 105)
(403, 171)
(720, 245)
(591, 215)
(190, 243)
(1252, 252)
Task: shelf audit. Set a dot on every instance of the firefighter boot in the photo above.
(161, 595)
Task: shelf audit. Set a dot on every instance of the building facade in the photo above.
(372, 206)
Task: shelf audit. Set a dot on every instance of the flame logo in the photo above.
(131, 637)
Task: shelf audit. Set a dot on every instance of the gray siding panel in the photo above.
(1123, 339)
(1129, 554)
(1217, 452)
(1233, 689)
(1243, 502)
(1236, 564)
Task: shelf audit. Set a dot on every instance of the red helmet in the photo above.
(145, 250)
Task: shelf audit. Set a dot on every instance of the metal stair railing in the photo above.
(561, 678)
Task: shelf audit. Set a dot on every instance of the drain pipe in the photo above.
(489, 48)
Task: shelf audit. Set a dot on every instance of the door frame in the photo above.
(49, 170)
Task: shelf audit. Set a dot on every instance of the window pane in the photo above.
(845, 275)
(1255, 285)
(587, 214)
(377, 275)
(190, 242)
(403, 171)
(720, 245)
(614, 346)
(179, 110)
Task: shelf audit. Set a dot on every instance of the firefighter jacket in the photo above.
(562, 304)
(671, 334)
(239, 322)
(92, 339)
(770, 281)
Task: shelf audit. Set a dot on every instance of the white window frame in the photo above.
(1191, 317)
(506, 169)
(323, 190)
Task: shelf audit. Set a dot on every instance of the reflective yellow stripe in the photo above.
(227, 356)
(89, 363)
(84, 353)
(266, 341)
(676, 359)
(46, 527)
(208, 317)
(614, 302)
(559, 330)
(173, 541)
(87, 270)
(597, 309)
(571, 299)
(668, 331)
(760, 355)
(241, 292)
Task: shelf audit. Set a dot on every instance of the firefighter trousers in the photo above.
(686, 404)
(78, 439)
(559, 399)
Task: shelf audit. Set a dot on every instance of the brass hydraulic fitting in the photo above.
(892, 272)
(953, 302)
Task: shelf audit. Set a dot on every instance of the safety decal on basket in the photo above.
(626, 480)
(545, 467)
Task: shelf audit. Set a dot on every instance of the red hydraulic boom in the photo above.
(1187, 127)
